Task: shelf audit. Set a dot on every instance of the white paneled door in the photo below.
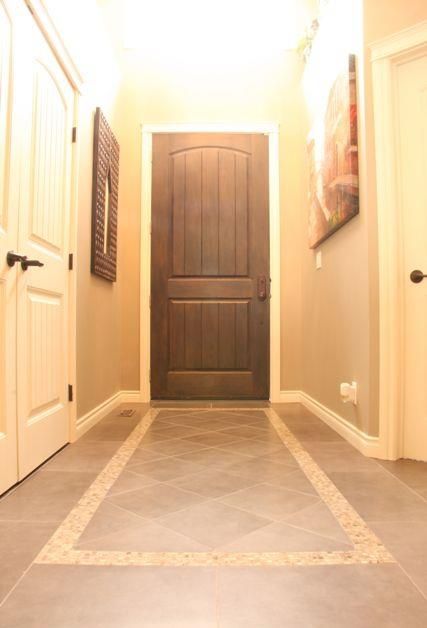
(34, 415)
(412, 121)
(9, 199)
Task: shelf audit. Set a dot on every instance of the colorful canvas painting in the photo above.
(333, 159)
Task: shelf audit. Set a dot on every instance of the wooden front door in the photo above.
(210, 306)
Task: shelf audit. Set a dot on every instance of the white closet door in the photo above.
(42, 303)
(9, 200)
(412, 125)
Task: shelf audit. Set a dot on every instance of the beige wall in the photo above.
(340, 302)
(98, 329)
(169, 90)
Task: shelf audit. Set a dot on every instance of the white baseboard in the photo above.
(366, 444)
(290, 396)
(91, 418)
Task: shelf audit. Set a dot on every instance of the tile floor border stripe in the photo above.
(60, 548)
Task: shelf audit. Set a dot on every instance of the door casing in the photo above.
(272, 131)
(387, 54)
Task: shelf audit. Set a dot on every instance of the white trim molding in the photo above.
(387, 54)
(272, 131)
(91, 418)
(366, 444)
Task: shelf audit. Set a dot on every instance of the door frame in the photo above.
(50, 32)
(386, 55)
(271, 130)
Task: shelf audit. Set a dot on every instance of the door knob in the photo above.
(25, 263)
(417, 276)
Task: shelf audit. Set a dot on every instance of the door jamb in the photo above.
(272, 131)
(386, 56)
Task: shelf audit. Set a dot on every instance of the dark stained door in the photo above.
(210, 267)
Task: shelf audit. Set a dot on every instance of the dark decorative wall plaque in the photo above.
(105, 188)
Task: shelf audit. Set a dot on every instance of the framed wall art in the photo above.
(105, 188)
(333, 158)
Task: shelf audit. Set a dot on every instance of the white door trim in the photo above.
(272, 131)
(387, 54)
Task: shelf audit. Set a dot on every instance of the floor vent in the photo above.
(126, 413)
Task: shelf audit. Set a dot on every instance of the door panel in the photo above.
(412, 123)
(9, 198)
(210, 332)
(43, 236)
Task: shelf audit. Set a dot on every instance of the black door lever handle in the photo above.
(25, 263)
(12, 258)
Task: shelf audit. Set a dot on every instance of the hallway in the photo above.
(203, 515)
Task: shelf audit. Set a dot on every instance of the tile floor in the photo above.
(211, 516)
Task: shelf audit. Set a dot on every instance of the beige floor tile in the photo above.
(174, 447)
(213, 523)
(339, 456)
(166, 469)
(147, 537)
(212, 439)
(380, 497)
(262, 470)
(45, 496)
(280, 537)
(142, 455)
(53, 596)
(90, 456)
(318, 519)
(128, 481)
(155, 501)
(268, 501)
(411, 472)
(215, 458)
(20, 542)
(213, 483)
(354, 596)
(253, 447)
(407, 541)
(110, 519)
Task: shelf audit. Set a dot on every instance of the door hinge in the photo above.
(70, 261)
(149, 375)
(74, 135)
(149, 302)
(70, 392)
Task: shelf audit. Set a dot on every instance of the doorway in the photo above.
(212, 381)
(400, 105)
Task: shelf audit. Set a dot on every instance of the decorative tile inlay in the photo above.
(60, 549)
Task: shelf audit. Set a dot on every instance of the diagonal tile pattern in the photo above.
(189, 485)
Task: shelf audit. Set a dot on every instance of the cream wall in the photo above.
(98, 330)
(170, 89)
(336, 304)
(340, 302)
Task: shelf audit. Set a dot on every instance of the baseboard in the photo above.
(290, 396)
(130, 396)
(366, 444)
(91, 418)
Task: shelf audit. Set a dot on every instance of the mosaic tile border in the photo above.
(59, 550)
